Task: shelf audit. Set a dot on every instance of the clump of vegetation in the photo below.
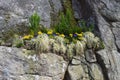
(65, 39)
(92, 41)
(41, 43)
(59, 45)
(79, 48)
(34, 23)
(65, 26)
(17, 41)
(69, 30)
(70, 50)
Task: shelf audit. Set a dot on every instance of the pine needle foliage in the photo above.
(34, 23)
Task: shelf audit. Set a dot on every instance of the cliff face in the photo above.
(100, 65)
(106, 15)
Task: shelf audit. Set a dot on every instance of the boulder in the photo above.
(16, 64)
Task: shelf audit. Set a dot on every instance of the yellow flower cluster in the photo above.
(79, 35)
(50, 32)
(62, 35)
(39, 33)
(28, 37)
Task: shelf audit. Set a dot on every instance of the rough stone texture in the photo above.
(96, 72)
(16, 65)
(52, 65)
(105, 15)
(90, 56)
(109, 61)
(116, 32)
(102, 65)
(77, 73)
(14, 14)
(79, 69)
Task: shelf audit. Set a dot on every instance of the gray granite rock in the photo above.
(109, 61)
(90, 56)
(14, 14)
(116, 32)
(106, 17)
(52, 65)
(16, 64)
(83, 70)
(110, 9)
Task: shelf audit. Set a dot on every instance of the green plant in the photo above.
(59, 45)
(93, 42)
(17, 41)
(66, 26)
(43, 29)
(41, 43)
(34, 23)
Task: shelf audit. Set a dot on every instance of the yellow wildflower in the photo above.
(71, 35)
(26, 37)
(50, 32)
(39, 32)
(80, 35)
(62, 35)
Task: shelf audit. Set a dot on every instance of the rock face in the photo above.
(105, 14)
(14, 14)
(16, 65)
(81, 69)
(101, 65)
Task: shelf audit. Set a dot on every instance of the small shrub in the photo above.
(51, 43)
(66, 27)
(34, 23)
(56, 48)
(59, 45)
(93, 42)
(59, 40)
(41, 43)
